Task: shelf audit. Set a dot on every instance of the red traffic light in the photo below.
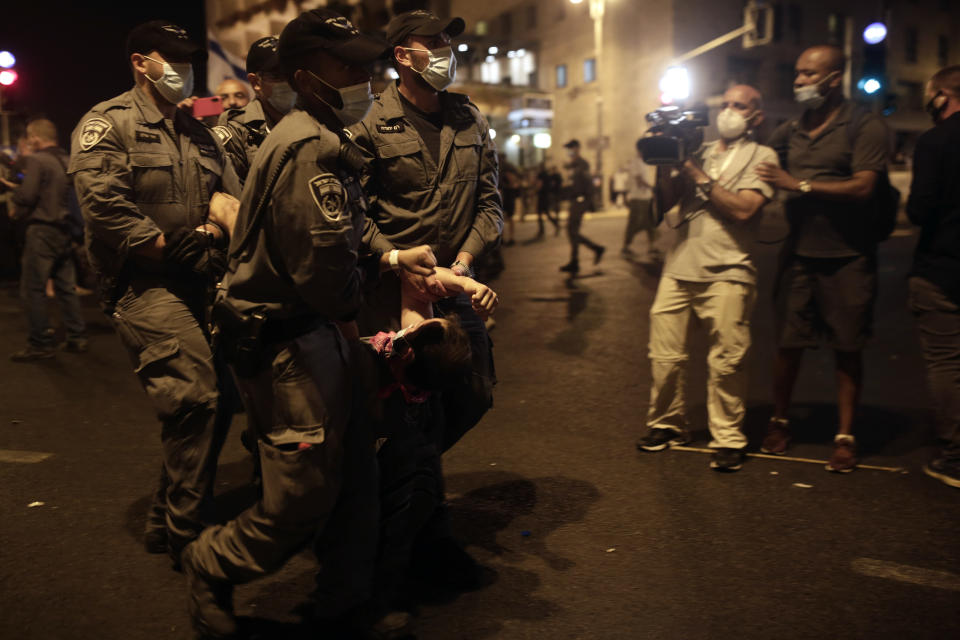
(8, 77)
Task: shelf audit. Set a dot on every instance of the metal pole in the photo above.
(596, 12)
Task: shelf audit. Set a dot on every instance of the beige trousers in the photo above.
(724, 308)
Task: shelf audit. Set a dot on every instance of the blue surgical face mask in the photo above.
(282, 97)
(441, 69)
(176, 83)
(355, 98)
(809, 97)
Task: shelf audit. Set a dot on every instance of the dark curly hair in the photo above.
(441, 356)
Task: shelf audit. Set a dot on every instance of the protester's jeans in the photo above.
(724, 308)
(46, 254)
(938, 321)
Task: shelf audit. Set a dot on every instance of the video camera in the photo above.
(674, 134)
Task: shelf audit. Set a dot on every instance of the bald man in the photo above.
(833, 155)
(233, 94)
(709, 273)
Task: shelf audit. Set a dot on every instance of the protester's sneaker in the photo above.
(571, 267)
(598, 254)
(777, 438)
(77, 345)
(946, 471)
(844, 458)
(659, 439)
(31, 353)
(211, 601)
(726, 459)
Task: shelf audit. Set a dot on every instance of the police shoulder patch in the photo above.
(223, 133)
(94, 130)
(328, 194)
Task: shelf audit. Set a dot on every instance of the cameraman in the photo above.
(709, 272)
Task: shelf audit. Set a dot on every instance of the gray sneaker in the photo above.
(31, 353)
(726, 460)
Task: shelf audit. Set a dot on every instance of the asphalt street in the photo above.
(582, 536)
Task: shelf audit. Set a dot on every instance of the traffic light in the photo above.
(8, 75)
(874, 73)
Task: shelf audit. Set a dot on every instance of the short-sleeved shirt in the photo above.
(822, 228)
(711, 246)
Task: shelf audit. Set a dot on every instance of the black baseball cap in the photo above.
(572, 143)
(169, 39)
(421, 23)
(328, 30)
(263, 55)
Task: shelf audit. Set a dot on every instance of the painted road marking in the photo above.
(906, 573)
(792, 459)
(24, 457)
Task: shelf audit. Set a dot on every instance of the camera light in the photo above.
(675, 83)
(462, 48)
(875, 33)
(542, 140)
(7, 60)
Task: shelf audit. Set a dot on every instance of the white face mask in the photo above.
(282, 97)
(356, 98)
(809, 97)
(730, 124)
(441, 69)
(176, 83)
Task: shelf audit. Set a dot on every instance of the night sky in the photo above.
(70, 55)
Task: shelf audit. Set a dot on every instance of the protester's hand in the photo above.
(419, 260)
(777, 177)
(693, 171)
(223, 211)
(484, 300)
(8, 184)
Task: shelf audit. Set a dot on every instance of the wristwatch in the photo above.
(804, 186)
(467, 271)
(705, 188)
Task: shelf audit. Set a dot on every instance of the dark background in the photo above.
(71, 55)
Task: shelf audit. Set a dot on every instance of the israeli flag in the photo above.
(221, 64)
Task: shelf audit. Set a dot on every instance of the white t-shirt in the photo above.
(638, 186)
(709, 245)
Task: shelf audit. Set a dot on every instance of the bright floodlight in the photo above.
(7, 60)
(875, 33)
(462, 48)
(575, 1)
(675, 83)
(493, 51)
(542, 140)
(870, 85)
(8, 77)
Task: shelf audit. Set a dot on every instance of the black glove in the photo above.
(195, 251)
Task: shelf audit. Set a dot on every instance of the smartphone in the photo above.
(203, 107)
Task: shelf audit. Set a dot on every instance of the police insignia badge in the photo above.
(94, 130)
(328, 193)
(223, 133)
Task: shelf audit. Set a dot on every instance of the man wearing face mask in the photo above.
(296, 276)
(434, 180)
(833, 156)
(148, 176)
(934, 205)
(242, 130)
(709, 273)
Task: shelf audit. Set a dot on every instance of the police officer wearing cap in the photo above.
(148, 176)
(297, 271)
(242, 130)
(433, 180)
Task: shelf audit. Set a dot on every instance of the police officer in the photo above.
(434, 180)
(147, 176)
(579, 187)
(297, 274)
(242, 130)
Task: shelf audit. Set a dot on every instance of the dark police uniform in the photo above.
(241, 131)
(137, 176)
(302, 274)
(450, 202)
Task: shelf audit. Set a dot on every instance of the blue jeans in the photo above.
(47, 254)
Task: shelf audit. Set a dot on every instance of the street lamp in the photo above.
(596, 13)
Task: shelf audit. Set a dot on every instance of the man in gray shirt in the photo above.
(43, 199)
(709, 273)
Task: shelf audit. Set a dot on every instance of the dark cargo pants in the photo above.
(159, 322)
(319, 474)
